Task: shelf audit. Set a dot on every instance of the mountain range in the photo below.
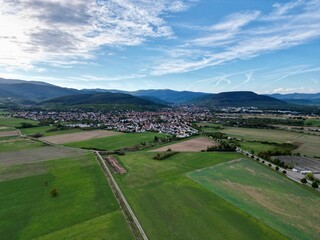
(51, 95)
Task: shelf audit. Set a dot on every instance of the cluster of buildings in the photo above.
(177, 121)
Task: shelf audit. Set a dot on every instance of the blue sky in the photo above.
(196, 45)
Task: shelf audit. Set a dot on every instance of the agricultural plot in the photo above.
(37, 155)
(15, 122)
(116, 142)
(280, 203)
(79, 136)
(308, 144)
(11, 133)
(169, 205)
(48, 131)
(85, 207)
(192, 145)
(18, 144)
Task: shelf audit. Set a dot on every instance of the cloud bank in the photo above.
(62, 32)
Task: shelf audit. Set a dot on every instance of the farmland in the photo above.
(117, 141)
(192, 145)
(18, 144)
(84, 209)
(265, 195)
(171, 206)
(15, 122)
(307, 144)
(79, 136)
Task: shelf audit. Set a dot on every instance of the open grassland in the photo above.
(37, 155)
(116, 142)
(280, 203)
(169, 205)
(18, 144)
(15, 122)
(192, 145)
(84, 209)
(312, 122)
(308, 144)
(79, 136)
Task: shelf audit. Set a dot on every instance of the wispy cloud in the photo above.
(60, 31)
(247, 35)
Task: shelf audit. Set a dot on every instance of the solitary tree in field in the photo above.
(54, 192)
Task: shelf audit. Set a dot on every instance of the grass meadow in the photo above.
(116, 142)
(170, 205)
(84, 209)
(284, 205)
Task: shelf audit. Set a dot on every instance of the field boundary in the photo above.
(132, 220)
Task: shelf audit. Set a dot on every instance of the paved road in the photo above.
(295, 176)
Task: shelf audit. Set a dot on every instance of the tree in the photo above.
(315, 185)
(54, 192)
(284, 172)
(277, 168)
(303, 180)
(310, 176)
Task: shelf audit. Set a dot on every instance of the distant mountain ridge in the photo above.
(107, 100)
(33, 91)
(238, 99)
(299, 98)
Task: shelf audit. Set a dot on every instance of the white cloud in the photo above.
(60, 31)
(246, 35)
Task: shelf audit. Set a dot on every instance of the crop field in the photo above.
(18, 144)
(192, 145)
(15, 122)
(308, 144)
(79, 136)
(256, 147)
(48, 131)
(116, 142)
(37, 155)
(85, 207)
(10, 133)
(287, 207)
(169, 205)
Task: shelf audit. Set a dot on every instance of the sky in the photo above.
(195, 45)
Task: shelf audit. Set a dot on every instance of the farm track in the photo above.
(132, 220)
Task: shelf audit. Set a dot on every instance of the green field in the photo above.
(169, 205)
(312, 122)
(280, 203)
(84, 209)
(15, 122)
(308, 144)
(116, 142)
(18, 144)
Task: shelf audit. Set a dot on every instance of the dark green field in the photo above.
(15, 122)
(171, 206)
(18, 144)
(84, 209)
(116, 142)
(280, 203)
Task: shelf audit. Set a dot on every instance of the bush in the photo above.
(269, 165)
(263, 161)
(315, 185)
(284, 172)
(303, 180)
(161, 156)
(37, 135)
(277, 168)
(54, 192)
